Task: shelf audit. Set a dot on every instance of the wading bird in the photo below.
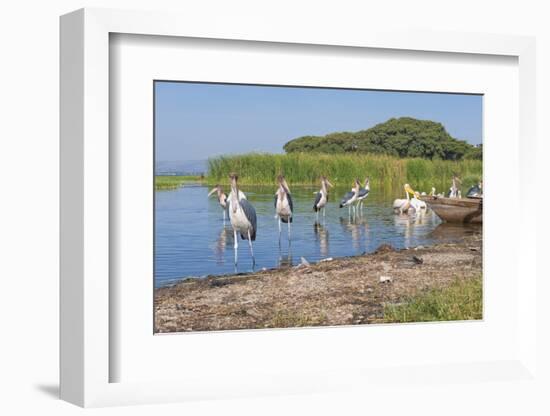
(283, 204)
(350, 198)
(417, 203)
(363, 193)
(454, 192)
(222, 198)
(321, 198)
(475, 191)
(402, 206)
(242, 216)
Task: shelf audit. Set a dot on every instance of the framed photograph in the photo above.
(334, 232)
(267, 213)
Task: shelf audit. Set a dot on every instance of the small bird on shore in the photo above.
(350, 198)
(242, 216)
(283, 204)
(321, 198)
(222, 198)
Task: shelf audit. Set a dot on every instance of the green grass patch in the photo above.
(342, 169)
(168, 182)
(462, 300)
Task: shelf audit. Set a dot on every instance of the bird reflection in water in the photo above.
(411, 226)
(402, 224)
(321, 235)
(224, 238)
(356, 226)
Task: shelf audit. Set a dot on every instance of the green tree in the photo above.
(404, 137)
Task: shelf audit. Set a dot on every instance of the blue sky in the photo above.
(195, 121)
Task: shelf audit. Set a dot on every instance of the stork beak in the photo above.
(329, 184)
(285, 185)
(212, 191)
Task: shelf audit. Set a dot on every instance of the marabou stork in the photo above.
(283, 204)
(363, 193)
(454, 192)
(242, 216)
(321, 198)
(350, 198)
(222, 198)
(475, 191)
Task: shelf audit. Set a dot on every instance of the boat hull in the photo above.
(457, 210)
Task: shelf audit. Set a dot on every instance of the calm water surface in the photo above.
(191, 239)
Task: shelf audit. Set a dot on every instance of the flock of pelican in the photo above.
(410, 205)
(242, 214)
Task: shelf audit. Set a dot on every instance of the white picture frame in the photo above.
(87, 356)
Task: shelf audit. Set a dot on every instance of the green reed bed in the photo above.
(305, 169)
(168, 182)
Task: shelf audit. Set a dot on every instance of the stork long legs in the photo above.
(360, 207)
(251, 249)
(289, 231)
(279, 221)
(235, 244)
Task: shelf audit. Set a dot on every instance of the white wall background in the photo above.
(29, 198)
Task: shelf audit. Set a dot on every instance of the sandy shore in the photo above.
(343, 291)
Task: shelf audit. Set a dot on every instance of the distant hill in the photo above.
(399, 137)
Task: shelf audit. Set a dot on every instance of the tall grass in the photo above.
(462, 300)
(305, 169)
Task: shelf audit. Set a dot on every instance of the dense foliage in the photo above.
(404, 137)
(342, 169)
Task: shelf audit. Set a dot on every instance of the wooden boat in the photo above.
(462, 210)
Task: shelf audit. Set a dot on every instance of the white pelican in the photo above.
(417, 203)
(283, 204)
(321, 198)
(242, 216)
(439, 195)
(401, 206)
(363, 193)
(222, 198)
(351, 197)
(475, 191)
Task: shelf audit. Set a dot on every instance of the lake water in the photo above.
(191, 239)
